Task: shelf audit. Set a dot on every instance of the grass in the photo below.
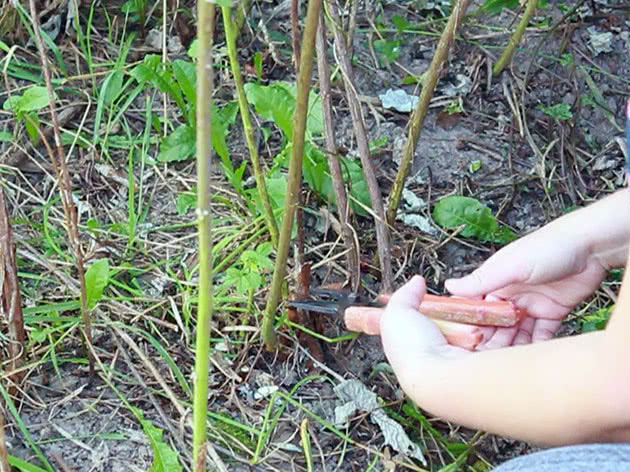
(131, 149)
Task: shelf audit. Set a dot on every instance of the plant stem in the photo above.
(58, 159)
(506, 56)
(230, 37)
(11, 298)
(382, 231)
(343, 208)
(205, 31)
(295, 169)
(420, 113)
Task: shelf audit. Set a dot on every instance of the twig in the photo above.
(382, 231)
(11, 298)
(295, 170)
(230, 37)
(420, 113)
(295, 34)
(4, 455)
(205, 85)
(333, 159)
(508, 52)
(61, 169)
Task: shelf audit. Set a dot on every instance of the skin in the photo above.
(561, 391)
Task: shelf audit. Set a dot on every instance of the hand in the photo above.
(546, 273)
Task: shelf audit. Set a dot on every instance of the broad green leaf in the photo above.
(598, 320)
(5, 136)
(32, 125)
(186, 76)
(317, 174)
(185, 202)
(165, 459)
(273, 103)
(96, 279)
(389, 49)
(315, 120)
(559, 111)
(178, 146)
(111, 87)
(34, 98)
(455, 211)
(11, 103)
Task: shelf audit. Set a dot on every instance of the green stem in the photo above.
(295, 169)
(420, 113)
(205, 28)
(515, 39)
(230, 37)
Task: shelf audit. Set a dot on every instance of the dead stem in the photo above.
(382, 231)
(11, 298)
(58, 159)
(345, 211)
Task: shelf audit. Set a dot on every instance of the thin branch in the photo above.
(295, 170)
(205, 30)
(382, 231)
(508, 52)
(333, 160)
(419, 114)
(230, 37)
(58, 159)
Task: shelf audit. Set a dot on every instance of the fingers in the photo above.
(491, 276)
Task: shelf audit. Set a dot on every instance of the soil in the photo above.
(484, 150)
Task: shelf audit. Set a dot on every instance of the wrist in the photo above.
(606, 225)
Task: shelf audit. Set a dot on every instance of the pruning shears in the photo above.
(332, 302)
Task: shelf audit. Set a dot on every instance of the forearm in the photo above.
(556, 392)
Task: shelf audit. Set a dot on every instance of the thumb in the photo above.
(409, 296)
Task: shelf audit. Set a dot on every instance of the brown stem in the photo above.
(4, 455)
(295, 34)
(333, 160)
(58, 159)
(11, 298)
(295, 170)
(508, 52)
(419, 114)
(382, 231)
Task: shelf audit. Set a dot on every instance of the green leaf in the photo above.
(598, 320)
(317, 174)
(400, 22)
(455, 211)
(24, 466)
(5, 136)
(34, 98)
(111, 87)
(185, 202)
(389, 49)
(276, 102)
(186, 76)
(559, 111)
(179, 145)
(165, 459)
(495, 6)
(96, 279)
(32, 125)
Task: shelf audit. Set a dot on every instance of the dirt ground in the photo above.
(499, 147)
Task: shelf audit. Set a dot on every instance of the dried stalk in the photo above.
(295, 169)
(295, 34)
(11, 298)
(508, 52)
(382, 231)
(58, 159)
(205, 31)
(419, 114)
(230, 37)
(4, 455)
(333, 159)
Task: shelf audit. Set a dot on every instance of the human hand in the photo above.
(546, 273)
